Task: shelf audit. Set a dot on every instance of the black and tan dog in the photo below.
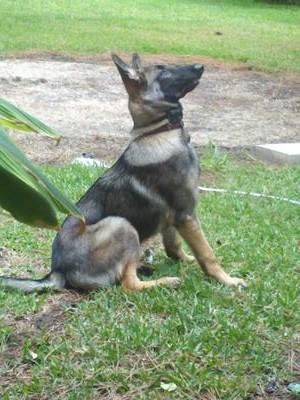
(152, 188)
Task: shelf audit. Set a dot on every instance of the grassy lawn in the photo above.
(201, 341)
(261, 34)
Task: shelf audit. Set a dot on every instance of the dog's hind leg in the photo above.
(131, 282)
(172, 244)
(191, 231)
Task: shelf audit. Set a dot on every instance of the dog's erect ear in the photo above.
(124, 69)
(136, 62)
(137, 66)
(131, 77)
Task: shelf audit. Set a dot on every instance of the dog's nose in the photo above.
(199, 67)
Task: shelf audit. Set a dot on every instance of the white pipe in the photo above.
(204, 189)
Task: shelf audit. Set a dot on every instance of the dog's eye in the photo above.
(162, 70)
(166, 74)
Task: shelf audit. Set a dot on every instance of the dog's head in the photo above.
(155, 90)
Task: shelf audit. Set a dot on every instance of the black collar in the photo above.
(166, 127)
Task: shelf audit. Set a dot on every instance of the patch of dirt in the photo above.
(49, 320)
(84, 100)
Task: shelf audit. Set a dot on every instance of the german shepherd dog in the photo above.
(152, 188)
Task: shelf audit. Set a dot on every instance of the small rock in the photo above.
(90, 162)
(271, 387)
(148, 256)
(294, 388)
(33, 355)
(169, 387)
(87, 154)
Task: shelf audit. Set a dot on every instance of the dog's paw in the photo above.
(173, 281)
(182, 256)
(168, 281)
(189, 259)
(237, 282)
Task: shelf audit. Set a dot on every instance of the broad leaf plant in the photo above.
(24, 191)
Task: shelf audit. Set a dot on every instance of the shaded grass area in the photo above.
(202, 340)
(261, 34)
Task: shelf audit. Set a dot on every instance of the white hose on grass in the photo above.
(205, 189)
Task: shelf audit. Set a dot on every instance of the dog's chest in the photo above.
(154, 149)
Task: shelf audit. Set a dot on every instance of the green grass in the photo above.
(211, 341)
(261, 34)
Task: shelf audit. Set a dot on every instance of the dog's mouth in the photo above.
(197, 70)
(181, 92)
(200, 69)
(189, 87)
(193, 84)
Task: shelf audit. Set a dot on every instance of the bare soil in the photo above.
(84, 100)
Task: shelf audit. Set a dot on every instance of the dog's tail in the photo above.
(54, 281)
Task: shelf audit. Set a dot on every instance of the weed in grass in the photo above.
(214, 159)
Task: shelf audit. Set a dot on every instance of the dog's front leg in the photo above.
(189, 228)
(172, 245)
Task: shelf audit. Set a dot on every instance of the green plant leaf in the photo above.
(24, 203)
(26, 193)
(14, 118)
